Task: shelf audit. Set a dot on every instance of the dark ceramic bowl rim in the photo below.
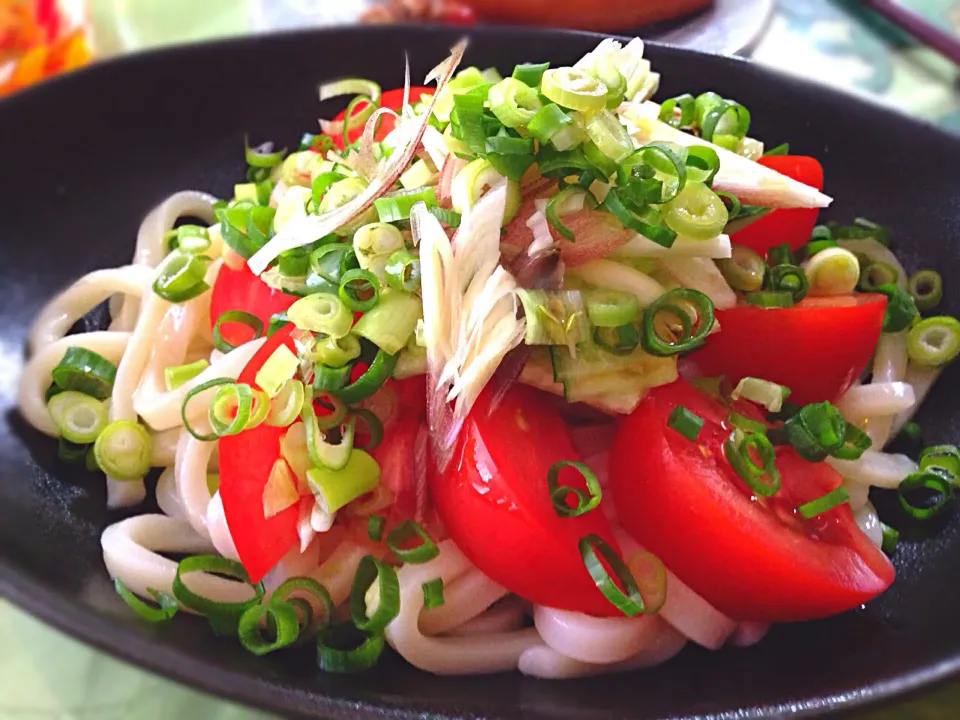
(47, 605)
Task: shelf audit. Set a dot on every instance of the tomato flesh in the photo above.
(242, 290)
(816, 348)
(392, 99)
(751, 558)
(784, 225)
(245, 461)
(493, 500)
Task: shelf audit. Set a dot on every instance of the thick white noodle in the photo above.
(701, 274)
(130, 552)
(163, 447)
(194, 203)
(293, 564)
(216, 523)
(193, 457)
(449, 655)
(876, 400)
(167, 497)
(868, 521)
(889, 366)
(466, 598)
(36, 375)
(505, 616)
(593, 639)
(749, 633)
(65, 309)
(859, 494)
(543, 662)
(875, 468)
(337, 571)
(922, 379)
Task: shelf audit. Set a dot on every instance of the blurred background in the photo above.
(861, 47)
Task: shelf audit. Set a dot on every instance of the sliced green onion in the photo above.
(763, 479)
(559, 494)
(745, 423)
(621, 340)
(676, 322)
(194, 239)
(390, 324)
(334, 488)
(768, 299)
(331, 379)
(862, 228)
(678, 112)
(721, 122)
(338, 195)
(781, 254)
(403, 271)
(744, 270)
(202, 387)
(815, 247)
(901, 309)
(891, 536)
(816, 431)
(387, 592)
(74, 452)
(223, 616)
(401, 535)
(433, 593)
(647, 221)
(855, 442)
(610, 135)
(554, 317)
(696, 212)
(294, 263)
(925, 480)
(281, 617)
(877, 273)
(337, 414)
(450, 218)
(367, 384)
(375, 525)
(574, 89)
(321, 313)
(788, 278)
(934, 341)
(277, 370)
(910, 431)
(552, 124)
(659, 165)
(166, 606)
(236, 316)
(946, 457)
(86, 372)
(79, 418)
(231, 409)
(285, 407)
(123, 450)
(343, 649)
(597, 555)
(359, 289)
(397, 206)
(611, 308)
(832, 271)
(926, 287)
(513, 102)
(262, 156)
(763, 392)
(180, 277)
(685, 422)
(782, 149)
(703, 164)
(321, 183)
(176, 375)
(531, 73)
(315, 596)
(825, 502)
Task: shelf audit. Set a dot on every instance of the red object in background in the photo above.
(785, 225)
(392, 99)
(242, 290)
(583, 14)
(751, 558)
(494, 502)
(455, 13)
(816, 348)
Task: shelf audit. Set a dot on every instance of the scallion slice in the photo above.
(530, 73)
(696, 212)
(235, 316)
(929, 480)
(433, 593)
(399, 537)
(367, 384)
(397, 206)
(285, 407)
(321, 313)
(740, 449)
(788, 278)
(745, 423)
(231, 409)
(685, 422)
(403, 271)
(73, 452)
(832, 271)
(166, 606)
(676, 322)
(359, 289)
(390, 324)
(86, 372)
(855, 442)
(318, 610)
(768, 299)
(901, 309)
(934, 341)
(180, 277)
(375, 525)
(386, 595)
(597, 555)
(280, 617)
(945, 457)
(744, 270)
(891, 536)
(215, 382)
(344, 649)
(122, 450)
(176, 375)
(875, 274)
(611, 308)
(825, 502)
(224, 617)
(678, 112)
(550, 123)
(559, 494)
(513, 102)
(79, 418)
(574, 89)
(816, 431)
(763, 392)
(262, 156)
(926, 287)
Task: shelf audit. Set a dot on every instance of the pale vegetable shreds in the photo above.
(629, 61)
(749, 181)
(640, 246)
(280, 492)
(702, 274)
(303, 231)
(469, 312)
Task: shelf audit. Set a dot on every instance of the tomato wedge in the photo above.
(494, 502)
(245, 461)
(242, 290)
(786, 225)
(392, 99)
(751, 558)
(816, 348)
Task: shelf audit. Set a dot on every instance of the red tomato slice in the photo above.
(751, 558)
(242, 290)
(493, 500)
(392, 99)
(786, 225)
(816, 348)
(395, 456)
(245, 462)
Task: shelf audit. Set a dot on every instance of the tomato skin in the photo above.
(245, 461)
(242, 290)
(455, 13)
(751, 559)
(784, 225)
(493, 500)
(816, 348)
(392, 99)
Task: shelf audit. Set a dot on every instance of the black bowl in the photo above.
(86, 156)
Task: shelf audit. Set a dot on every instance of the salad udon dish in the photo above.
(526, 372)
